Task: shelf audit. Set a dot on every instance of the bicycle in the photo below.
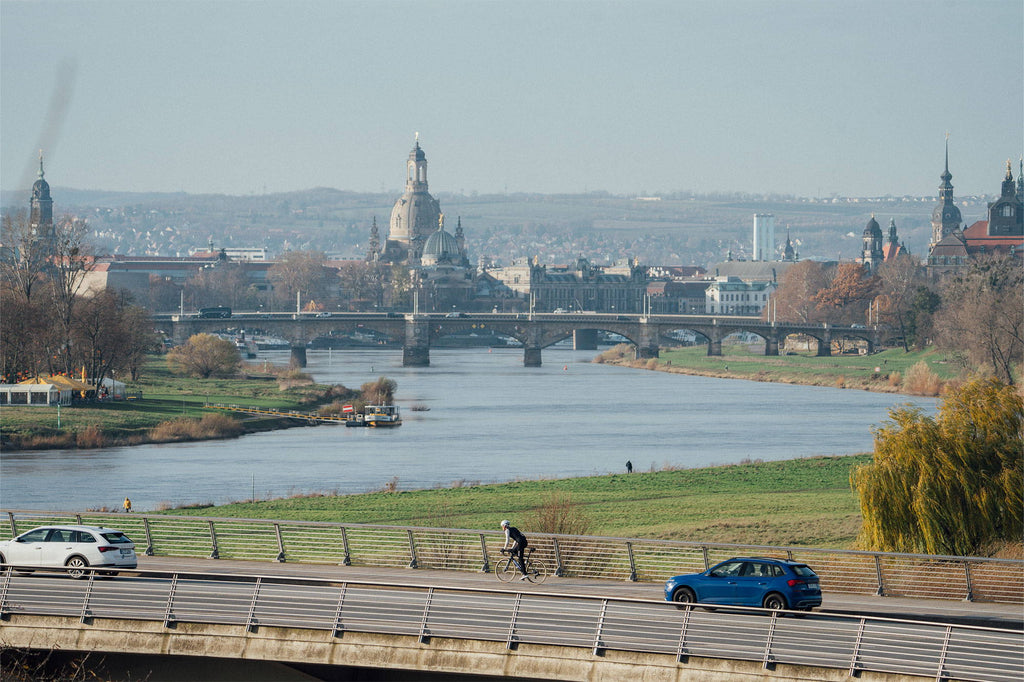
(508, 568)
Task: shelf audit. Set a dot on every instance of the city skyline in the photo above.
(787, 97)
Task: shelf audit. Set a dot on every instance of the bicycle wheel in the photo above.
(505, 570)
(538, 572)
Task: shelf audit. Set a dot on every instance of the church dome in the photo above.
(441, 246)
(873, 230)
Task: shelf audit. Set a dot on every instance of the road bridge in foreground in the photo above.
(453, 623)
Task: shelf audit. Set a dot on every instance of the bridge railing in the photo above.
(635, 559)
(852, 643)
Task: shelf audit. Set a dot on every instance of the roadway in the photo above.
(929, 610)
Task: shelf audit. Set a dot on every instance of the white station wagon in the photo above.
(76, 547)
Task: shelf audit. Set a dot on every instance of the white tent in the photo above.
(34, 394)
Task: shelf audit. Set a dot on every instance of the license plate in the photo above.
(126, 552)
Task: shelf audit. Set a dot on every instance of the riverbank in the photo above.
(172, 409)
(923, 373)
(791, 502)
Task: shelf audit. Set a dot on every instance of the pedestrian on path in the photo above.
(127, 505)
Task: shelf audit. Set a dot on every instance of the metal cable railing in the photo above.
(636, 559)
(853, 643)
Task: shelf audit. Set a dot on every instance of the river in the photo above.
(486, 419)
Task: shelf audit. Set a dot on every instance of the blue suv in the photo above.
(749, 581)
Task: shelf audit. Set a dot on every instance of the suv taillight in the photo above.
(107, 548)
(793, 582)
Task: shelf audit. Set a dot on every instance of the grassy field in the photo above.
(166, 397)
(875, 372)
(792, 502)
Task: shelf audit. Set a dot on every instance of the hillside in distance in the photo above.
(678, 229)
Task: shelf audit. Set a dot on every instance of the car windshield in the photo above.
(115, 537)
(803, 571)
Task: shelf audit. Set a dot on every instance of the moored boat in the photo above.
(382, 415)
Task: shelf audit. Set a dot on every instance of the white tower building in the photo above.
(764, 236)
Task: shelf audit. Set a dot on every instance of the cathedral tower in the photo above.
(946, 216)
(415, 215)
(41, 205)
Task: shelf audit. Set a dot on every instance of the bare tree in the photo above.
(300, 275)
(898, 282)
(794, 299)
(362, 283)
(982, 315)
(68, 262)
(23, 265)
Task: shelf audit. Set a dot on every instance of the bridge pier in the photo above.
(714, 347)
(531, 357)
(646, 352)
(771, 346)
(824, 348)
(416, 356)
(584, 339)
(298, 356)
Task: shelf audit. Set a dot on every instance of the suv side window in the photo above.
(58, 535)
(777, 571)
(84, 536)
(729, 570)
(35, 535)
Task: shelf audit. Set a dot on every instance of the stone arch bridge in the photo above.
(418, 332)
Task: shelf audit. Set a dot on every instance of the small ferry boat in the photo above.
(382, 415)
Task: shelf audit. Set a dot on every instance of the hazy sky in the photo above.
(809, 97)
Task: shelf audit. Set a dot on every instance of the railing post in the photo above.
(280, 543)
(149, 537)
(412, 550)
(215, 554)
(510, 641)
(855, 654)
(78, 519)
(483, 550)
(347, 560)
(766, 662)
(88, 595)
(336, 632)
(941, 663)
(878, 576)
(704, 551)
(600, 628)
(681, 646)
(426, 612)
(168, 616)
(3, 590)
(14, 524)
(970, 585)
(250, 621)
(632, 563)
(559, 569)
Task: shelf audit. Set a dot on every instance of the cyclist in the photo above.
(514, 536)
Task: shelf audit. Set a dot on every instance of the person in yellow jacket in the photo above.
(127, 505)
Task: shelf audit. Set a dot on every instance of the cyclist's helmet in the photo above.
(504, 522)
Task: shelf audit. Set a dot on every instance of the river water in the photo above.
(489, 419)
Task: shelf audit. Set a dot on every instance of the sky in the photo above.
(813, 98)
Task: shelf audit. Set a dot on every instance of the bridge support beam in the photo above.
(771, 346)
(531, 356)
(646, 352)
(298, 356)
(714, 347)
(584, 339)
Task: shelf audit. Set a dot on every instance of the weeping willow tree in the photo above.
(953, 484)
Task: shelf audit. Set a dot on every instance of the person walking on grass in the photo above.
(127, 505)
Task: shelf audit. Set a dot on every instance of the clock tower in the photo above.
(946, 216)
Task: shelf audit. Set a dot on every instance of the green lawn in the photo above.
(793, 502)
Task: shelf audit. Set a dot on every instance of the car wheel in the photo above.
(684, 595)
(76, 567)
(774, 601)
